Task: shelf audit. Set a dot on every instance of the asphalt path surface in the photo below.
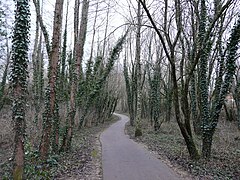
(124, 159)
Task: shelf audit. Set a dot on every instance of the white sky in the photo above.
(121, 11)
(116, 19)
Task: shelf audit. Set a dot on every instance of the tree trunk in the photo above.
(195, 118)
(229, 112)
(230, 69)
(192, 149)
(207, 143)
(63, 78)
(169, 103)
(129, 92)
(221, 91)
(35, 62)
(79, 50)
(185, 127)
(51, 92)
(79, 41)
(43, 28)
(94, 32)
(81, 38)
(138, 76)
(106, 30)
(19, 83)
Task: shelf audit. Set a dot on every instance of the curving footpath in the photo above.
(124, 159)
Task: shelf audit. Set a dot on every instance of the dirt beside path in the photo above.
(84, 161)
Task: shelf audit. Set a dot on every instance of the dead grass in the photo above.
(169, 144)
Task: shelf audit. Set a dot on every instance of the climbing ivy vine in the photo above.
(18, 78)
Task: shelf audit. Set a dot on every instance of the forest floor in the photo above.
(82, 162)
(84, 159)
(169, 145)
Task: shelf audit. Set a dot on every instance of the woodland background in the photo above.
(173, 66)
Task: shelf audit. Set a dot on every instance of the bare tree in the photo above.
(51, 89)
(79, 42)
(170, 52)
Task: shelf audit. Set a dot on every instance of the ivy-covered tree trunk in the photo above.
(203, 84)
(72, 82)
(129, 90)
(156, 98)
(19, 74)
(211, 108)
(169, 98)
(79, 41)
(80, 49)
(51, 89)
(56, 116)
(138, 76)
(67, 137)
(222, 88)
(37, 69)
(63, 78)
(154, 95)
(196, 121)
(99, 80)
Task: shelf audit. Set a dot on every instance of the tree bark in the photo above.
(43, 28)
(79, 41)
(222, 88)
(18, 79)
(185, 127)
(81, 38)
(129, 92)
(138, 75)
(51, 92)
(186, 133)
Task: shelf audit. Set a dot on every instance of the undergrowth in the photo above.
(169, 144)
(65, 164)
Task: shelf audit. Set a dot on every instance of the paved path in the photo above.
(124, 159)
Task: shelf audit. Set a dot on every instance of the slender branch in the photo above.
(157, 31)
(43, 28)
